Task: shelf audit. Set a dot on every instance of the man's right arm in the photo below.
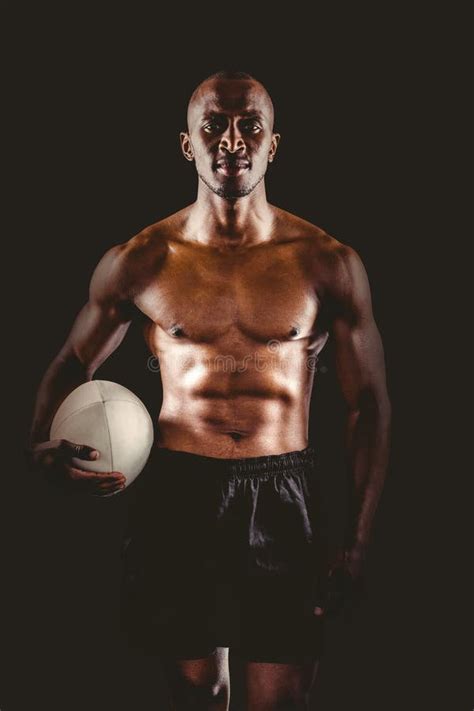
(97, 331)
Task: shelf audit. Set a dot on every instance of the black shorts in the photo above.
(224, 553)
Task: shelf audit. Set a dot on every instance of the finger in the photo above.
(86, 476)
(110, 480)
(119, 478)
(109, 484)
(95, 483)
(81, 451)
(115, 475)
(108, 487)
(104, 484)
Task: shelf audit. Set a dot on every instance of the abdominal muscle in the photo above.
(234, 419)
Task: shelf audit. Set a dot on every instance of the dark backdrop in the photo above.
(369, 101)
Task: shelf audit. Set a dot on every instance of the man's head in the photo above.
(230, 133)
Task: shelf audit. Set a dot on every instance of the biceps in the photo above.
(96, 333)
(360, 361)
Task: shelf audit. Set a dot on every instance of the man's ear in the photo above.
(275, 141)
(186, 146)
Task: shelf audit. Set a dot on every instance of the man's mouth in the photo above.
(232, 167)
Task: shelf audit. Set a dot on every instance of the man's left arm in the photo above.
(360, 367)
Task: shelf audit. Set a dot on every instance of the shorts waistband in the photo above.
(247, 466)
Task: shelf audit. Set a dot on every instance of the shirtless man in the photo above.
(237, 297)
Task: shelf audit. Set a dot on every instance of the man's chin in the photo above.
(231, 188)
(232, 193)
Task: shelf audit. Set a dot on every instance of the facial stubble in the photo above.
(229, 193)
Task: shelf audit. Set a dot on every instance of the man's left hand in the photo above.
(344, 581)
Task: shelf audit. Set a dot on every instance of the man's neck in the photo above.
(223, 222)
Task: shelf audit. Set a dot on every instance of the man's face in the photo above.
(230, 135)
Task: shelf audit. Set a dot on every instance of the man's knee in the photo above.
(284, 702)
(201, 693)
(201, 687)
(290, 698)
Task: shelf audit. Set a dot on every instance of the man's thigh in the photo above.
(165, 611)
(282, 687)
(277, 622)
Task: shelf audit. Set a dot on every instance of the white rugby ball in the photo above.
(110, 418)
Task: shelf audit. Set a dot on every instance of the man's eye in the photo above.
(252, 126)
(211, 127)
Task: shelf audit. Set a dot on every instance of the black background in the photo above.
(370, 101)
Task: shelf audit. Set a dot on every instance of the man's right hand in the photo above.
(53, 460)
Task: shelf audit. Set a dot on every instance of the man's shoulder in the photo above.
(318, 240)
(153, 238)
(337, 268)
(126, 267)
(148, 247)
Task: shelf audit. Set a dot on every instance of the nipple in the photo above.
(176, 331)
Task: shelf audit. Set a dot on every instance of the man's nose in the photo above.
(231, 139)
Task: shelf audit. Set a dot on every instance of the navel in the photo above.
(236, 436)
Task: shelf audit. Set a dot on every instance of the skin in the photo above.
(237, 298)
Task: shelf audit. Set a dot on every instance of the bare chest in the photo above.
(206, 297)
